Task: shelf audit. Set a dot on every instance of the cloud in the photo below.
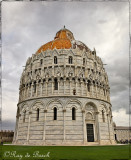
(121, 118)
(27, 26)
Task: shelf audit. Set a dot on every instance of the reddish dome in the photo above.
(62, 40)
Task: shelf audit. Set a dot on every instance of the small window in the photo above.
(55, 84)
(70, 60)
(83, 61)
(73, 113)
(41, 61)
(24, 116)
(34, 87)
(74, 91)
(55, 60)
(88, 86)
(103, 116)
(38, 112)
(55, 113)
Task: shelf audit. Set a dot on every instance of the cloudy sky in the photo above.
(28, 25)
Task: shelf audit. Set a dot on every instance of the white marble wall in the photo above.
(64, 130)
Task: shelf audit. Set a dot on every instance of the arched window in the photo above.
(55, 60)
(104, 92)
(103, 116)
(24, 116)
(55, 84)
(34, 87)
(38, 114)
(70, 60)
(73, 113)
(41, 61)
(88, 86)
(83, 61)
(55, 113)
(74, 91)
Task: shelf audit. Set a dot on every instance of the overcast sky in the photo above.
(103, 25)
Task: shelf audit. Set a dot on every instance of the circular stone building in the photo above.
(64, 96)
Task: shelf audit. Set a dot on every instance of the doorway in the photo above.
(90, 132)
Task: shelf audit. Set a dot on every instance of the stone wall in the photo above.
(64, 130)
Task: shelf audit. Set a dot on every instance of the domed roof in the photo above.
(62, 40)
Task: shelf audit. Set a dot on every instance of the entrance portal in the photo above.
(90, 132)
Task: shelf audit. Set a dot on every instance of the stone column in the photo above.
(98, 128)
(70, 87)
(98, 94)
(37, 85)
(64, 84)
(17, 129)
(28, 133)
(84, 128)
(76, 85)
(91, 86)
(86, 88)
(75, 70)
(106, 94)
(109, 128)
(31, 94)
(41, 88)
(24, 92)
(96, 90)
(44, 130)
(81, 82)
(52, 85)
(58, 85)
(64, 130)
(46, 86)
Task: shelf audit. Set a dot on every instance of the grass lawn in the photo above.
(119, 152)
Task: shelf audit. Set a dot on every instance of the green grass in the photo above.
(119, 152)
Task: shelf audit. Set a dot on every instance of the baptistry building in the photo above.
(64, 96)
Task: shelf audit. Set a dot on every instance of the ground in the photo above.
(119, 152)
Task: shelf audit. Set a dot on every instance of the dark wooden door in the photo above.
(90, 132)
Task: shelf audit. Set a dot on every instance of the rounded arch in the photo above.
(24, 107)
(53, 100)
(55, 106)
(74, 100)
(91, 104)
(37, 102)
(103, 106)
(73, 106)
